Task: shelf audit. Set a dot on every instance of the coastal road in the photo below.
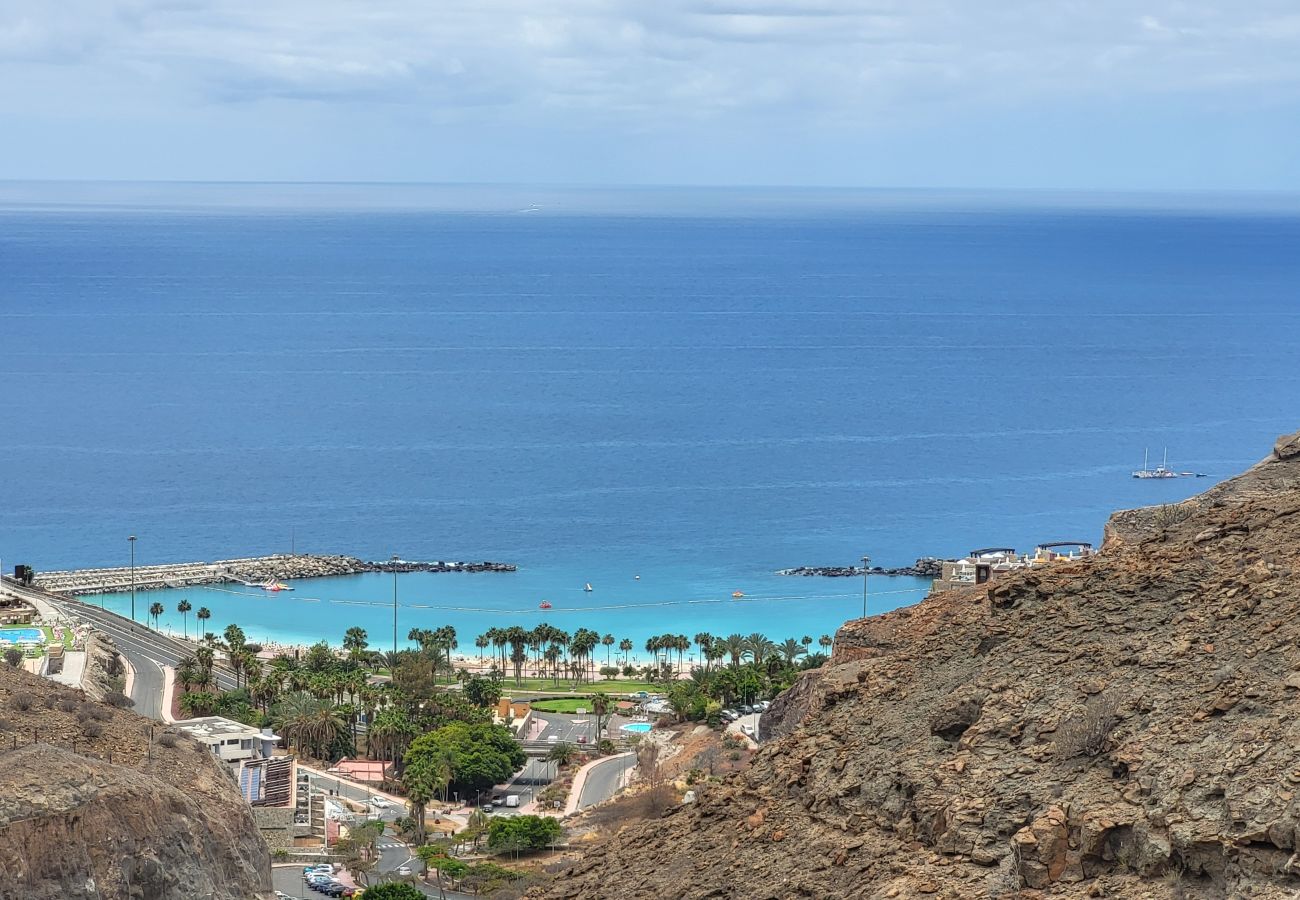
(146, 650)
(605, 779)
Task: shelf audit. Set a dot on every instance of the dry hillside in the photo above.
(97, 802)
(1126, 726)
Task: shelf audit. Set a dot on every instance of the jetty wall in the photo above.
(253, 569)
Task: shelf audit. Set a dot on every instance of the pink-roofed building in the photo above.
(372, 771)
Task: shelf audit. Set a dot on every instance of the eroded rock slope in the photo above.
(101, 803)
(1125, 726)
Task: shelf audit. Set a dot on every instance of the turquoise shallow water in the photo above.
(780, 607)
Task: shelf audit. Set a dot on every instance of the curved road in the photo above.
(605, 779)
(145, 649)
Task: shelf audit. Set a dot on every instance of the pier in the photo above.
(248, 570)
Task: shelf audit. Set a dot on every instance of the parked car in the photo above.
(729, 715)
(487, 807)
(334, 889)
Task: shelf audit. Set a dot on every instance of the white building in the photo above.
(249, 753)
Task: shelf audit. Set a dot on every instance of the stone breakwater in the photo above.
(925, 567)
(256, 570)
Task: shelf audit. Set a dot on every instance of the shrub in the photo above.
(22, 701)
(69, 705)
(1170, 514)
(120, 700)
(168, 739)
(92, 729)
(1085, 731)
(13, 656)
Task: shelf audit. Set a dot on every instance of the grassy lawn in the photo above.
(568, 705)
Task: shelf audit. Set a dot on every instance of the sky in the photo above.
(1034, 94)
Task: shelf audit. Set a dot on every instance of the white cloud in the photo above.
(638, 65)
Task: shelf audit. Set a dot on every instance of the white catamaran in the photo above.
(1162, 470)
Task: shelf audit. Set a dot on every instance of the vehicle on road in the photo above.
(498, 799)
(512, 801)
(403, 870)
(378, 800)
(487, 807)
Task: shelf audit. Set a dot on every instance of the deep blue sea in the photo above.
(693, 387)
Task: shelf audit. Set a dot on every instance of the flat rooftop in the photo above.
(219, 726)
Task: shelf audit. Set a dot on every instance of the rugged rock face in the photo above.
(1122, 726)
(98, 803)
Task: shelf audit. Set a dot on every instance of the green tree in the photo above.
(625, 645)
(482, 691)
(13, 656)
(311, 723)
(184, 608)
(517, 834)
(562, 753)
(156, 609)
(480, 755)
(792, 649)
(425, 775)
(203, 615)
(355, 642)
(435, 857)
(392, 890)
(197, 703)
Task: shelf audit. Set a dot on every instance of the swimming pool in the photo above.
(638, 727)
(21, 635)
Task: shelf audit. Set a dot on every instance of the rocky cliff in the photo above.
(1122, 726)
(100, 803)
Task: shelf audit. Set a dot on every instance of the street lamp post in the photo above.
(866, 563)
(131, 540)
(394, 605)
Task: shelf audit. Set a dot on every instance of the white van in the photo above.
(512, 801)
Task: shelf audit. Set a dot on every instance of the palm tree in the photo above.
(156, 609)
(608, 641)
(792, 649)
(759, 648)
(826, 641)
(481, 642)
(561, 754)
(806, 641)
(203, 615)
(736, 647)
(422, 779)
(184, 609)
(354, 641)
(314, 724)
(626, 646)
(197, 703)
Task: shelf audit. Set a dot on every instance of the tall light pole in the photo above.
(131, 540)
(394, 605)
(866, 564)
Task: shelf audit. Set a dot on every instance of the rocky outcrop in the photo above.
(1119, 726)
(254, 570)
(105, 671)
(100, 803)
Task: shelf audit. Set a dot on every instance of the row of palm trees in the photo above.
(546, 648)
(755, 648)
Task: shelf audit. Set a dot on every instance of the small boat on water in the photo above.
(274, 586)
(736, 595)
(1160, 471)
(588, 587)
(545, 604)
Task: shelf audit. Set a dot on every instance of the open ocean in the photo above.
(697, 387)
